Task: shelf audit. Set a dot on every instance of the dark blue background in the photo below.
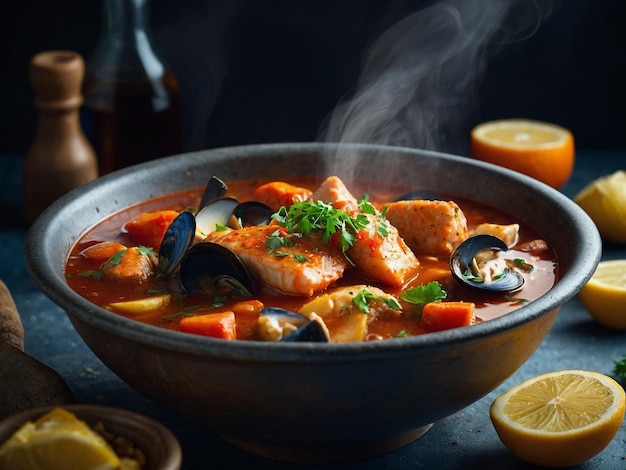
(271, 71)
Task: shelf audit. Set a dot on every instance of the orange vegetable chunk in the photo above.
(439, 316)
(217, 325)
(149, 228)
(278, 193)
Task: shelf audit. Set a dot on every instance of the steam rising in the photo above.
(420, 79)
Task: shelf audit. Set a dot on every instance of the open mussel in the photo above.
(214, 189)
(216, 213)
(279, 324)
(176, 241)
(464, 266)
(213, 269)
(252, 213)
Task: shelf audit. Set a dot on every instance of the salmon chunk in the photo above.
(292, 265)
(385, 259)
(333, 191)
(130, 265)
(429, 227)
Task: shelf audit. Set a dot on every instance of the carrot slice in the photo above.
(148, 228)
(217, 325)
(439, 316)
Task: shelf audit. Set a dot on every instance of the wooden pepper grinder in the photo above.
(60, 157)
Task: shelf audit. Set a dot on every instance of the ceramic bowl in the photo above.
(316, 402)
(160, 447)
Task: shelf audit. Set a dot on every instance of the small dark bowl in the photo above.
(316, 402)
(159, 445)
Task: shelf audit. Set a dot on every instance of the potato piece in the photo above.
(140, 306)
(343, 318)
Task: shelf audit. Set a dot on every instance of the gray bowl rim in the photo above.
(52, 283)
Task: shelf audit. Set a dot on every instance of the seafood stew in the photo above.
(308, 260)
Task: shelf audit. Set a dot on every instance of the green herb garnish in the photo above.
(92, 274)
(306, 217)
(431, 292)
(620, 368)
(365, 296)
(516, 300)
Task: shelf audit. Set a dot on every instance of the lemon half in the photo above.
(604, 295)
(604, 200)
(559, 419)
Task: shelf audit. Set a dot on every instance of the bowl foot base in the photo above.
(317, 453)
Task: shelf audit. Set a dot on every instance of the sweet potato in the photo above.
(439, 316)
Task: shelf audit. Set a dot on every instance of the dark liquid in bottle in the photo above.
(132, 120)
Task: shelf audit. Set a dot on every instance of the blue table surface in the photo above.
(464, 440)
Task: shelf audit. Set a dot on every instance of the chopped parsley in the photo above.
(94, 274)
(305, 217)
(516, 300)
(431, 292)
(365, 296)
(276, 241)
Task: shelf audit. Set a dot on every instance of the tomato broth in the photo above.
(185, 304)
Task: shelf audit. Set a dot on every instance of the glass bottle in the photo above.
(132, 107)
(60, 157)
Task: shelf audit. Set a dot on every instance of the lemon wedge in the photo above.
(604, 295)
(57, 441)
(140, 306)
(559, 419)
(604, 200)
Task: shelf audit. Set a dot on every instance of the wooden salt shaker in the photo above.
(60, 157)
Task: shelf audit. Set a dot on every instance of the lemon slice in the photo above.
(604, 200)
(539, 149)
(57, 441)
(560, 418)
(140, 306)
(604, 295)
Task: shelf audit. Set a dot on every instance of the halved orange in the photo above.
(538, 149)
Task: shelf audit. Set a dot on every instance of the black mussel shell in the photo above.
(214, 213)
(308, 330)
(177, 239)
(252, 213)
(463, 255)
(213, 269)
(214, 189)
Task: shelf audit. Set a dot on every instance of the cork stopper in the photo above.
(56, 77)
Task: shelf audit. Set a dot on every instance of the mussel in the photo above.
(464, 269)
(213, 269)
(284, 325)
(215, 210)
(176, 241)
(251, 213)
(215, 213)
(214, 189)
